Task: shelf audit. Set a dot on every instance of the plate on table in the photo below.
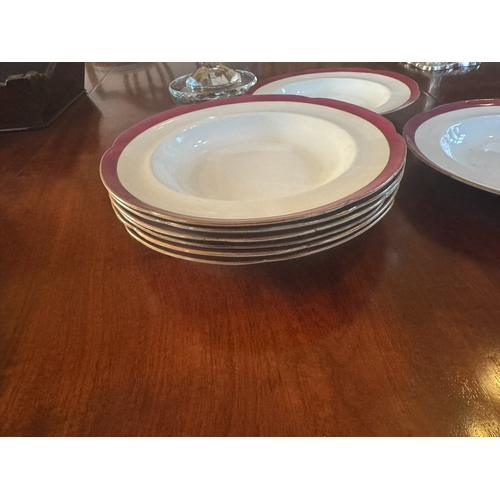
(460, 139)
(252, 160)
(379, 91)
(254, 178)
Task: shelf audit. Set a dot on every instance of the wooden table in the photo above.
(395, 333)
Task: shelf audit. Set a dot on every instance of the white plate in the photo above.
(379, 91)
(252, 159)
(460, 139)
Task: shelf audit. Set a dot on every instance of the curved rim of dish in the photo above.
(406, 80)
(411, 127)
(109, 161)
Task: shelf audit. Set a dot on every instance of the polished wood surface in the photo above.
(395, 333)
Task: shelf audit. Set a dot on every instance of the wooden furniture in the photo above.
(33, 95)
(395, 333)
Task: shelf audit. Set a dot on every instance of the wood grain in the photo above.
(395, 333)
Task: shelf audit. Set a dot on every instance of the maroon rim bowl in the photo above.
(109, 162)
(411, 84)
